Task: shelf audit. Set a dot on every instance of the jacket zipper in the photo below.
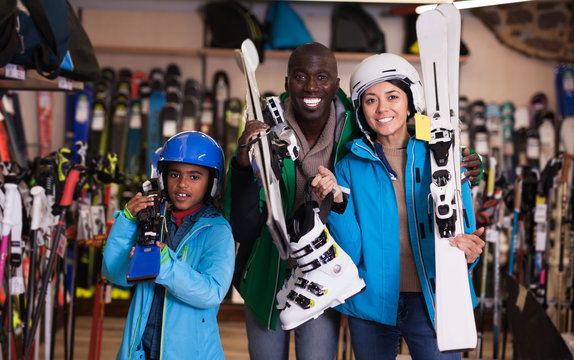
(136, 336)
(165, 295)
(340, 137)
(417, 227)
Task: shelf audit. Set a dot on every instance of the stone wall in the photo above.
(542, 29)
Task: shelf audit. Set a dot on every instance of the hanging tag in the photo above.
(61, 250)
(541, 235)
(107, 294)
(507, 222)
(540, 212)
(422, 127)
(17, 285)
(492, 235)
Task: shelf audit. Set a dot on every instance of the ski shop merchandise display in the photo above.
(89, 94)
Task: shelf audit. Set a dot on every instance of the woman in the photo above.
(386, 227)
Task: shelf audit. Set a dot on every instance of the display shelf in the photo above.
(146, 50)
(221, 52)
(35, 81)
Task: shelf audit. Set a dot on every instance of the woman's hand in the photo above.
(471, 244)
(325, 183)
(138, 203)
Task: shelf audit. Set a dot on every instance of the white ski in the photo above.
(438, 33)
(269, 148)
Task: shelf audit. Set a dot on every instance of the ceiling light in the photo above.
(467, 4)
(386, 1)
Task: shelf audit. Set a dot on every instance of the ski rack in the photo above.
(438, 33)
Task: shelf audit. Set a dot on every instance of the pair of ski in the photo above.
(265, 151)
(439, 34)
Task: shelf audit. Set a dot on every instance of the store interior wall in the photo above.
(492, 72)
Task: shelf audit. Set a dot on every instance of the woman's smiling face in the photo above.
(385, 107)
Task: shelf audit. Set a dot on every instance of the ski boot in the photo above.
(325, 276)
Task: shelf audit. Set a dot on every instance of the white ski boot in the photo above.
(325, 276)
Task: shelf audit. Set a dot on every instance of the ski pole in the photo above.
(496, 300)
(81, 151)
(517, 203)
(39, 221)
(566, 158)
(107, 173)
(12, 226)
(489, 221)
(65, 202)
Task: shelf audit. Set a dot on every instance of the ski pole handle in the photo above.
(37, 193)
(71, 180)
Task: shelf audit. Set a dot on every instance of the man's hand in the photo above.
(472, 164)
(252, 128)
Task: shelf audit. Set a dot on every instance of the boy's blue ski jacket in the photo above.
(368, 230)
(196, 277)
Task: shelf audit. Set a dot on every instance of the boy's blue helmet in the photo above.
(194, 147)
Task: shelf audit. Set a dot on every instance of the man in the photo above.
(322, 118)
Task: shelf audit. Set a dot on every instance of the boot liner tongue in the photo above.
(303, 220)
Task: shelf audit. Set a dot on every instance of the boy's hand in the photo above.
(138, 203)
(324, 183)
(472, 164)
(158, 244)
(252, 128)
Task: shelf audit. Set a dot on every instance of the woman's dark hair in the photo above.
(401, 84)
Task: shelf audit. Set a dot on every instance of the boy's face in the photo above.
(186, 185)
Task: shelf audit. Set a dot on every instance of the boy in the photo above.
(175, 316)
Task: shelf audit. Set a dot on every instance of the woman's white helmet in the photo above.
(383, 67)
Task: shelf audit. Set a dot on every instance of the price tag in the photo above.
(64, 83)
(61, 250)
(507, 222)
(107, 294)
(541, 234)
(17, 285)
(540, 212)
(492, 235)
(15, 72)
(422, 127)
